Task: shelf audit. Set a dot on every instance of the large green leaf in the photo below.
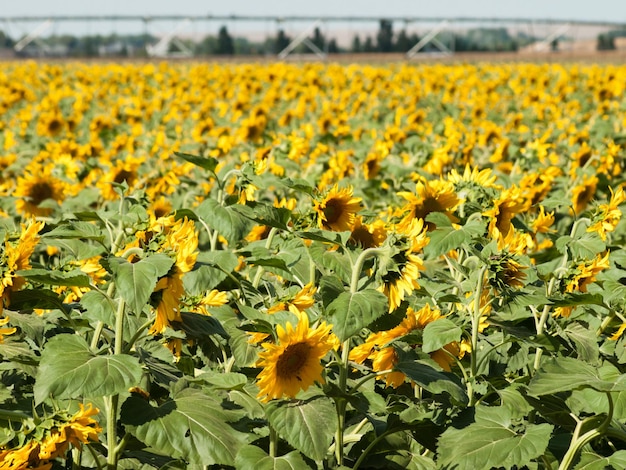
(589, 460)
(193, 426)
(444, 239)
(492, 442)
(564, 374)
(56, 278)
(429, 378)
(439, 333)
(350, 312)
(254, 457)
(226, 220)
(136, 281)
(69, 369)
(307, 425)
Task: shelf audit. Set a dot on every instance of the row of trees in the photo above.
(385, 40)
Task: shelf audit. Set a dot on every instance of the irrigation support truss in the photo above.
(43, 23)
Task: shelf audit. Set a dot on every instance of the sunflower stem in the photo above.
(341, 402)
(358, 266)
(112, 403)
(546, 309)
(475, 326)
(273, 441)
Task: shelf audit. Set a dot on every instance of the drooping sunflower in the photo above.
(337, 210)
(36, 186)
(384, 357)
(400, 278)
(429, 196)
(293, 363)
(5, 330)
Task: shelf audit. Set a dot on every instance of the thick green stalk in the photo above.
(578, 442)
(475, 317)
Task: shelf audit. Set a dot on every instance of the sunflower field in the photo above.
(291, 266)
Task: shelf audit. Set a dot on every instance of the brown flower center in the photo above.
(292, 360)
(39, 192)
(332, 211)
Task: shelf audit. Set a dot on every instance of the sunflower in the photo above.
(585, 274)
(36, 186)
(5, 331)
(368, 235)
(608, 215)
(583, 193)
(429, 196)
(384, 357)
(297, 304)
(294, 362)
(166, 298)
(337, 210)
(400, 276)
(16, 257)
(505, 207)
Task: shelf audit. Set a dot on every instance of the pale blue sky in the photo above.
(595, 10)
(570, 9)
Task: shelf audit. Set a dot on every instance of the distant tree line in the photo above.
(223, 43)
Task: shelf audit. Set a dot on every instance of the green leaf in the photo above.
(350, 312)
(265, 214)
(208, 163)
(492, 442)
(254, 457)
(28, 299)
(99, 306)
(69, 369)
(193, 426)
(136, 281)
(226, 220)
(586, 246)
(211, 268)
(439, 333)
(564, 374)
(585, 340)
(307, 425)
(591, 461)
(444, 239)
(78, 230)
(56, 278)
(431, 379)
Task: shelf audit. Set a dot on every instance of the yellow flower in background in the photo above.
(294, 362)
(609, 214)
(337, 210)
(35, 186)
(429, 196)
(505, 207)
(583, 193)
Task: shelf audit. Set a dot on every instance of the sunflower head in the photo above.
(337, 210)
(36, 187)
(293, 363)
